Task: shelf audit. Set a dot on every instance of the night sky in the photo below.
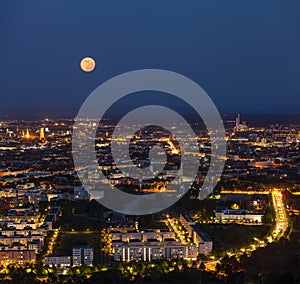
(244, 54)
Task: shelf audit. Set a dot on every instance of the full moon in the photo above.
(87, 64)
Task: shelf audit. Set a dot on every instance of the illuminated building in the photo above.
(27, 135)
(238, 121)
(239, 125)
(150, 245)
(148, 251)
(20, 215)
(202, 241)
(52, 217)
(19, 257)
(42, 133)
(58, 260)
(83, 255)
(142, 236)
(239, 215)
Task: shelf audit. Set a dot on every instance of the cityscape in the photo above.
(149, 142)
(52, 228)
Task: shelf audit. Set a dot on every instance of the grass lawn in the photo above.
(78, 223)
(67, 240)
(233, 236)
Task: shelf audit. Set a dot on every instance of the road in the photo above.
(280, 214)
(281, 226)
(176, 230)
(52, 242)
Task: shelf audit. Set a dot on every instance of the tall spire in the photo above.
(42, 133)
(27, 134)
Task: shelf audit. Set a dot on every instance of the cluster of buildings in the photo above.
(23, 232)
(11, 197)
(24, 193)
(22, 235)
(150, 245)
(52, 217)
(240, 125)
(202, 241)
(132, 245)
(274, 146)
(39, 146)
(81, 255)
(43, 151)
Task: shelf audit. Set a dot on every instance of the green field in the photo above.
(234, 236)
(67, 240)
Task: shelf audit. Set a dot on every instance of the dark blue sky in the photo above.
(245, 54)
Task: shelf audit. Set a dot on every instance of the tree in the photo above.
(155, 275)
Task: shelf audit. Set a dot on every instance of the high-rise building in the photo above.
(27, 134)
(239, 125)
(238, 121)
(42, 133)
(83, 255)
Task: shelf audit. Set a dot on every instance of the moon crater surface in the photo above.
(87, 64)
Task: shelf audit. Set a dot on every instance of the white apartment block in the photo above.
(83, 255)
(148, 251)
(58, 260)
(240, 215)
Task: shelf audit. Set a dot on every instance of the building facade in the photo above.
(240, 215)
(200, 239)
(83, 255)
(148, 251)
(19, 257)
(58, 260)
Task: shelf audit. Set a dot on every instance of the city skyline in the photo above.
(149, 142)
(56, 226)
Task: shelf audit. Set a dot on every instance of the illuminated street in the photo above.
(149, 142)
(52, 241)
(281, 225)
(176, 229)
(280, 213)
